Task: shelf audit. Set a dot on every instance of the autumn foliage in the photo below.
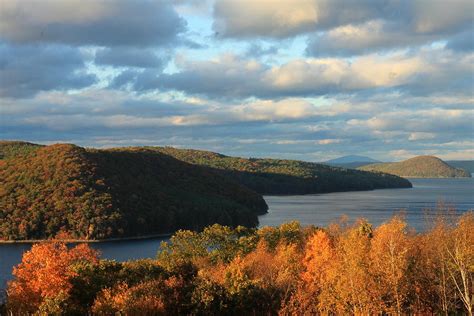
(63, 189)
(287, 270)
(45, 275)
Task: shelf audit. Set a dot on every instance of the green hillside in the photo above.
(275, 176)
(419, 167)
(97, 194)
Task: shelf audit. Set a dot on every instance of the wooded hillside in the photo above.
(96, 194)
(279, 176)
(419, 167)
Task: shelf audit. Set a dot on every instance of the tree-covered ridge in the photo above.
(10, 149)
(278, 176)
(343, 269)
(419, 167)
(94, 194)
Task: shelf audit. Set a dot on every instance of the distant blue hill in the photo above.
(352, 158)
(351, 161)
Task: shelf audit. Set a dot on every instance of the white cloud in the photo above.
(329, 141)
(421, 136)
(467, 154)
(285, 18)
(374, 35)
(341, 27)
(249, 18)
(385, 76)
(275, 110)
(430, 71)
(330, 73)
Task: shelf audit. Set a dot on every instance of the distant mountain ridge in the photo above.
(351, 158)
(419, 167)
(351, 161)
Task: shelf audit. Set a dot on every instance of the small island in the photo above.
(419, 167)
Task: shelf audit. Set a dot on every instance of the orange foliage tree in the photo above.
(354, 286)
(319, 256)
(286, 270)
(390, 255)
(44, 275)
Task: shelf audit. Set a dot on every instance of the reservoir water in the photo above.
(319, 209)
(376, 206)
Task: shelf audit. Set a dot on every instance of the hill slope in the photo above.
(275, 176)
(9, 149)
(419, 167)
(96, 194)
(351, 161)
(467, 165)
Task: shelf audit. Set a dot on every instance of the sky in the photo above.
(298, 79)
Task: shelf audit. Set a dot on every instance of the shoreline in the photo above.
(410, 177)
(345, 191)
(164, 235)
(85, 241)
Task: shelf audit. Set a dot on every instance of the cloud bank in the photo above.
(303, 79)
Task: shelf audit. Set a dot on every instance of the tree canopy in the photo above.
(281, 176)
(346, 268)
(96, 194)
(85, 193)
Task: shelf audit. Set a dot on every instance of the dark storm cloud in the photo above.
(101, 22)
(28, 69)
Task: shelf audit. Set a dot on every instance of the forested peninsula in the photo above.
(90, 194)
(286, 177)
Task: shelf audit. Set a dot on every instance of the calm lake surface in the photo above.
(319, 209)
